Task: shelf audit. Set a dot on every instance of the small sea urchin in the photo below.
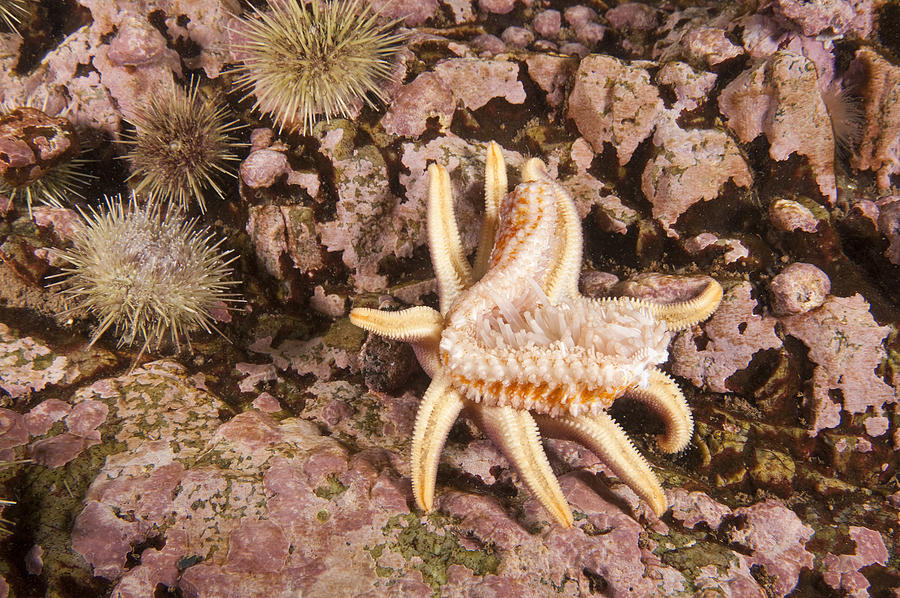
(323, 58)
(41, 161)
(146, 272)
(180, 146)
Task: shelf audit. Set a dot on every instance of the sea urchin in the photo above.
(180, 146)
(323, 58)
(12, 12)
(146, 272)
(41, 158)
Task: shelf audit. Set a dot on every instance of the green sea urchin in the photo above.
(323, 58)
(55, 187)
(180, 146)
(41, 161)
(146, 272)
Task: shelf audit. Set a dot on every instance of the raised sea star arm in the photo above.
(420, 326)
(517, 435)
(679, 316)
(664, 397)
(602, 435)
(450, 266)
(495, 187)
(438, 410)
(562, 280)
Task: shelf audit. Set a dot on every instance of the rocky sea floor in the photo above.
(756, 142)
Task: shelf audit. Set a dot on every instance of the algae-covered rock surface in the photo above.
(754, 142)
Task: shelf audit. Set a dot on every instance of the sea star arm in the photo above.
(420, 326)
(495, 187)
(438, 410)
(450, 266)
(562, 280)
(601, 434)
(663, 396)
(517, 435)
(679, 316)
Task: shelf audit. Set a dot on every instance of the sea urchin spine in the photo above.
(146, 272)
(324, 58)
(11, 13)
(180, 146)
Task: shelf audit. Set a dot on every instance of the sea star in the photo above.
(520, 348)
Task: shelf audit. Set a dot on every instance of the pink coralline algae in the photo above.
(846, 344)
(546, 23)
(427, 96)
(63, 221)
(465, 163)
(766, 535)
(263, 167)
(139, 42)
(475, 81)
(689, 167)
(632, 15)
(497, 6)
(517, 37)
(276, 231)
(239, 512)
(82, 423)
(26, 365)
(306, 357)
(879, 149)
(371, 221)
(136, 43)
(413, 12)
(838, 17)
(269, 508)
(843, 572)
(703, 44)
(727, 343)
(580, 15)
(255, 374)
(567, 560)
(732, 250)
(551, 73)
(39, 420)
(693, 508)
(13, 432)
(777, 539)
(798, 289)
(780, 97)
(614, 102)
(691, 87)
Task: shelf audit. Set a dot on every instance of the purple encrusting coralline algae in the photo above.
(755, 142)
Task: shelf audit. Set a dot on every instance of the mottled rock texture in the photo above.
(697, 139)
